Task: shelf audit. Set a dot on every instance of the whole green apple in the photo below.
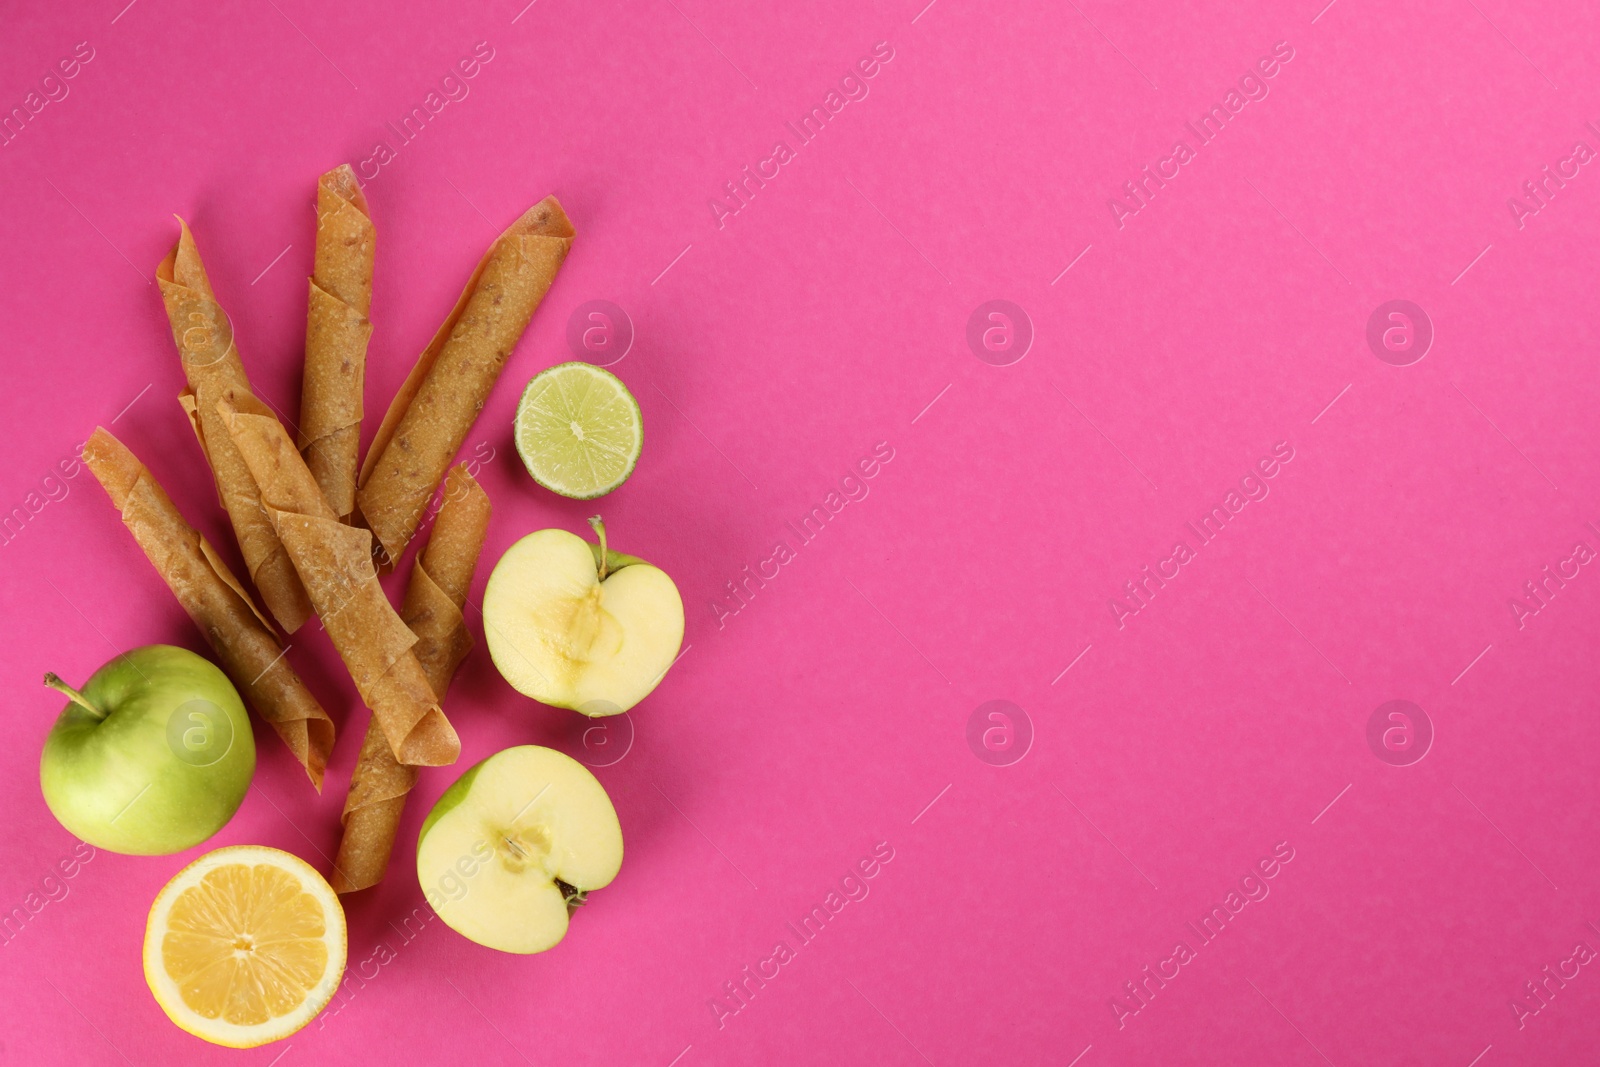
(152, 756)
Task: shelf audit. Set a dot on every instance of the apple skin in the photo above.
(450, 798)
(120, 783)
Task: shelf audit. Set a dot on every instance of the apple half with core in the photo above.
(152, 756)
(513, 847)
(575, 625)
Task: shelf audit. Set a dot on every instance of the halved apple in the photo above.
(516, 844)
(578, 626)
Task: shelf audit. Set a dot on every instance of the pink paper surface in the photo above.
(1216, 319)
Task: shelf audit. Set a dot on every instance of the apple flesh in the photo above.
(575, 625)
(514, 845)
(152, 756)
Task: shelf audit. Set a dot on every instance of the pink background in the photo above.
(772, 354)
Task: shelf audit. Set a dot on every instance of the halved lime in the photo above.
(578, 430)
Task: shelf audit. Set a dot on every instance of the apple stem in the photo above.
(54, 682)
(600, 529)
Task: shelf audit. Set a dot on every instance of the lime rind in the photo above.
(578, 430)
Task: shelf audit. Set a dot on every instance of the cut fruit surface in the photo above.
(578, 430)
(564, 636)
(511, 842)
(245, 946)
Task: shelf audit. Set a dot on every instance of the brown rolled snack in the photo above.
(211, 364)
(217, 603)
(337, 331)
(335, 563)
(440, 578)
(441, 398)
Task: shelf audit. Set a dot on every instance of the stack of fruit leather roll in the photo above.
(217, 603)
(440, 578)
(211, 363)
(335, 563)
(441, 398)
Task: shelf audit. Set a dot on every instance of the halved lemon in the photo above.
(245, 946)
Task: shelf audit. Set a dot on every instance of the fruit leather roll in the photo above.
(337, 332)
(217, 603)
(211, 364)
(441, 398)
(335, 562)
(440, 578)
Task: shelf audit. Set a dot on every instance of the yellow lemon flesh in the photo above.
(245, 946)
